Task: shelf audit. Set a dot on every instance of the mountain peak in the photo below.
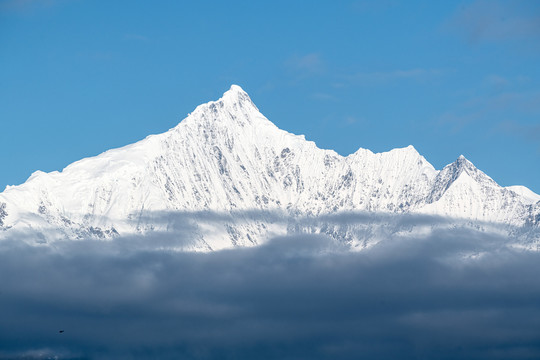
(462, 164)
(226, 156)
(234, 106)
(452, 172)
(236, 88)
(236, 95)
(409, 150)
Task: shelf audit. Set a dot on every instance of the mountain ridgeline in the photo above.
(226, 176)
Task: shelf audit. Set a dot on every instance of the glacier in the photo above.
(226, 176)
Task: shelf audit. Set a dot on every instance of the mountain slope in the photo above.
(227, 157)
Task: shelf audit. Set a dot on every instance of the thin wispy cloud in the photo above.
(484, 20)
(497, 81)
(97, 55)
(374, 6)
(417, 74)
(351, 120)
(503, 83)
(527, 132)
(136, 37)
(324, 97)
(308, 63)
(26, 5)
(492, 107)
(456, 121)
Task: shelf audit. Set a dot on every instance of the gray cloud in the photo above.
(302, 296)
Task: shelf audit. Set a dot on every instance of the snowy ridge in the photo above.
(227, 157)
(529, 196)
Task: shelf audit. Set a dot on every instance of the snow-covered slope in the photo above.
(529, 196)
(226, 157)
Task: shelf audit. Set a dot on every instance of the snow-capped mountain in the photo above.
(228, 159)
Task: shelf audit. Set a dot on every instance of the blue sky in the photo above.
(79, 77)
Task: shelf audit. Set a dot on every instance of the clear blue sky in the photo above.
(78, 77)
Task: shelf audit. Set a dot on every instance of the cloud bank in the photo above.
(454, 293)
